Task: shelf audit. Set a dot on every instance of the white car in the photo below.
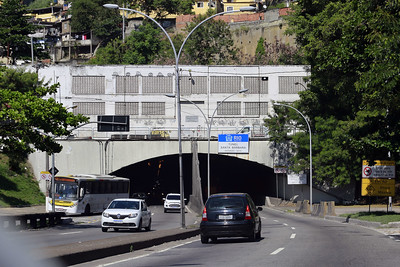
(126, 213)
(172, 202)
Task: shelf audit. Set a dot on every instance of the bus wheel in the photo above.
(87, 210)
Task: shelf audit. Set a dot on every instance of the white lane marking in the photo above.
(293, 228)
(262, 217)
(277, 251)
(276, 221)
(71, 233)
(285, 224)
(148, 254)
(292, 236)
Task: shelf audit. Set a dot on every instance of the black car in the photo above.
(230, 215)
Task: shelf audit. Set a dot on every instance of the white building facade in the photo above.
(140, 93)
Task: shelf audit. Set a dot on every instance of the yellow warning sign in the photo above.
(378, 187)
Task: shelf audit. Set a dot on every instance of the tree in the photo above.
(211, 44)
(352, 99)
(90, 15)
(14, 29)
(163, 7)
(27, 120)
(142, 46)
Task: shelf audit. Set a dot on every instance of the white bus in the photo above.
(86, 193)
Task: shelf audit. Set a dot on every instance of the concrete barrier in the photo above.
(81, 252)
(26, 221)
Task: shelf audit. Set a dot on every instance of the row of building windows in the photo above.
(95, 85)
(158, 108)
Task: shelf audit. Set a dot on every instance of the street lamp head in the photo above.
(248, 8)
(111, 6)
(170, 95)
(243, 91)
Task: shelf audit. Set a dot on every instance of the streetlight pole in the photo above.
(309, 131)
(209, 137)
(177, 56)
(209, 124)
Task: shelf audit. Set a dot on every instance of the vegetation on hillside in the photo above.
(14, 30)
(18, 188)
(352, 100)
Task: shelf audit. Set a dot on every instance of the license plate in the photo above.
(225, 217)
(60, 210)
(118, 221)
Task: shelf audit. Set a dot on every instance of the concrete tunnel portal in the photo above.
(159, 176)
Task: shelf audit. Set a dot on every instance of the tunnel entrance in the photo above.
(159, 176)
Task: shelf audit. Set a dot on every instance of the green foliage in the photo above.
(90, 15)
(210, 44)
(275, 53)
(352, 100)
(163, 7)
(260, 49)
(142, 46)
(376, 216)
(28, 121)
(40, 4)
(18, 188)
(14, 29)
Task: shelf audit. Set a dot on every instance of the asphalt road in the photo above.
(88, 228)
(287, 240)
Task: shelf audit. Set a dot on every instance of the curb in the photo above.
(77, 253)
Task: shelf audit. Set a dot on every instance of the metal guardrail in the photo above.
(27, 221)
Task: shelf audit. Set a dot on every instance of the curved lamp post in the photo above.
(209, 137)
(177, 56)
(209, 125)
(309, 131)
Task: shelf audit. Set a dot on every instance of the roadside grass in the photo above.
(374, 216)
(18, 188)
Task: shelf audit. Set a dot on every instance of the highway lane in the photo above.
(287, 240)
(87, 228)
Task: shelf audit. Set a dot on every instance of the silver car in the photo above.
(126, 213)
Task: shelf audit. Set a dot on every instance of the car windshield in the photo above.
(225, 203)
(120, 204)
(173, 197)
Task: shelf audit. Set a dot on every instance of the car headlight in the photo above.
(133, 215)
(105, 214)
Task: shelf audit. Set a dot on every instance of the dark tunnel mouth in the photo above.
(160, 175)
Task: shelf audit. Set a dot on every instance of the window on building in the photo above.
(153, 108)
(127, 108)
(88, 85)
(127, 84)
(225, 84)
(256, 108)
(157, 84)
(200, 4)
(229, 108)
(193, 85)
(256, 85)
(291, 84)
(229, 8)
(89, 108)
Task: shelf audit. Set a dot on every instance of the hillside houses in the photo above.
(65, 45)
